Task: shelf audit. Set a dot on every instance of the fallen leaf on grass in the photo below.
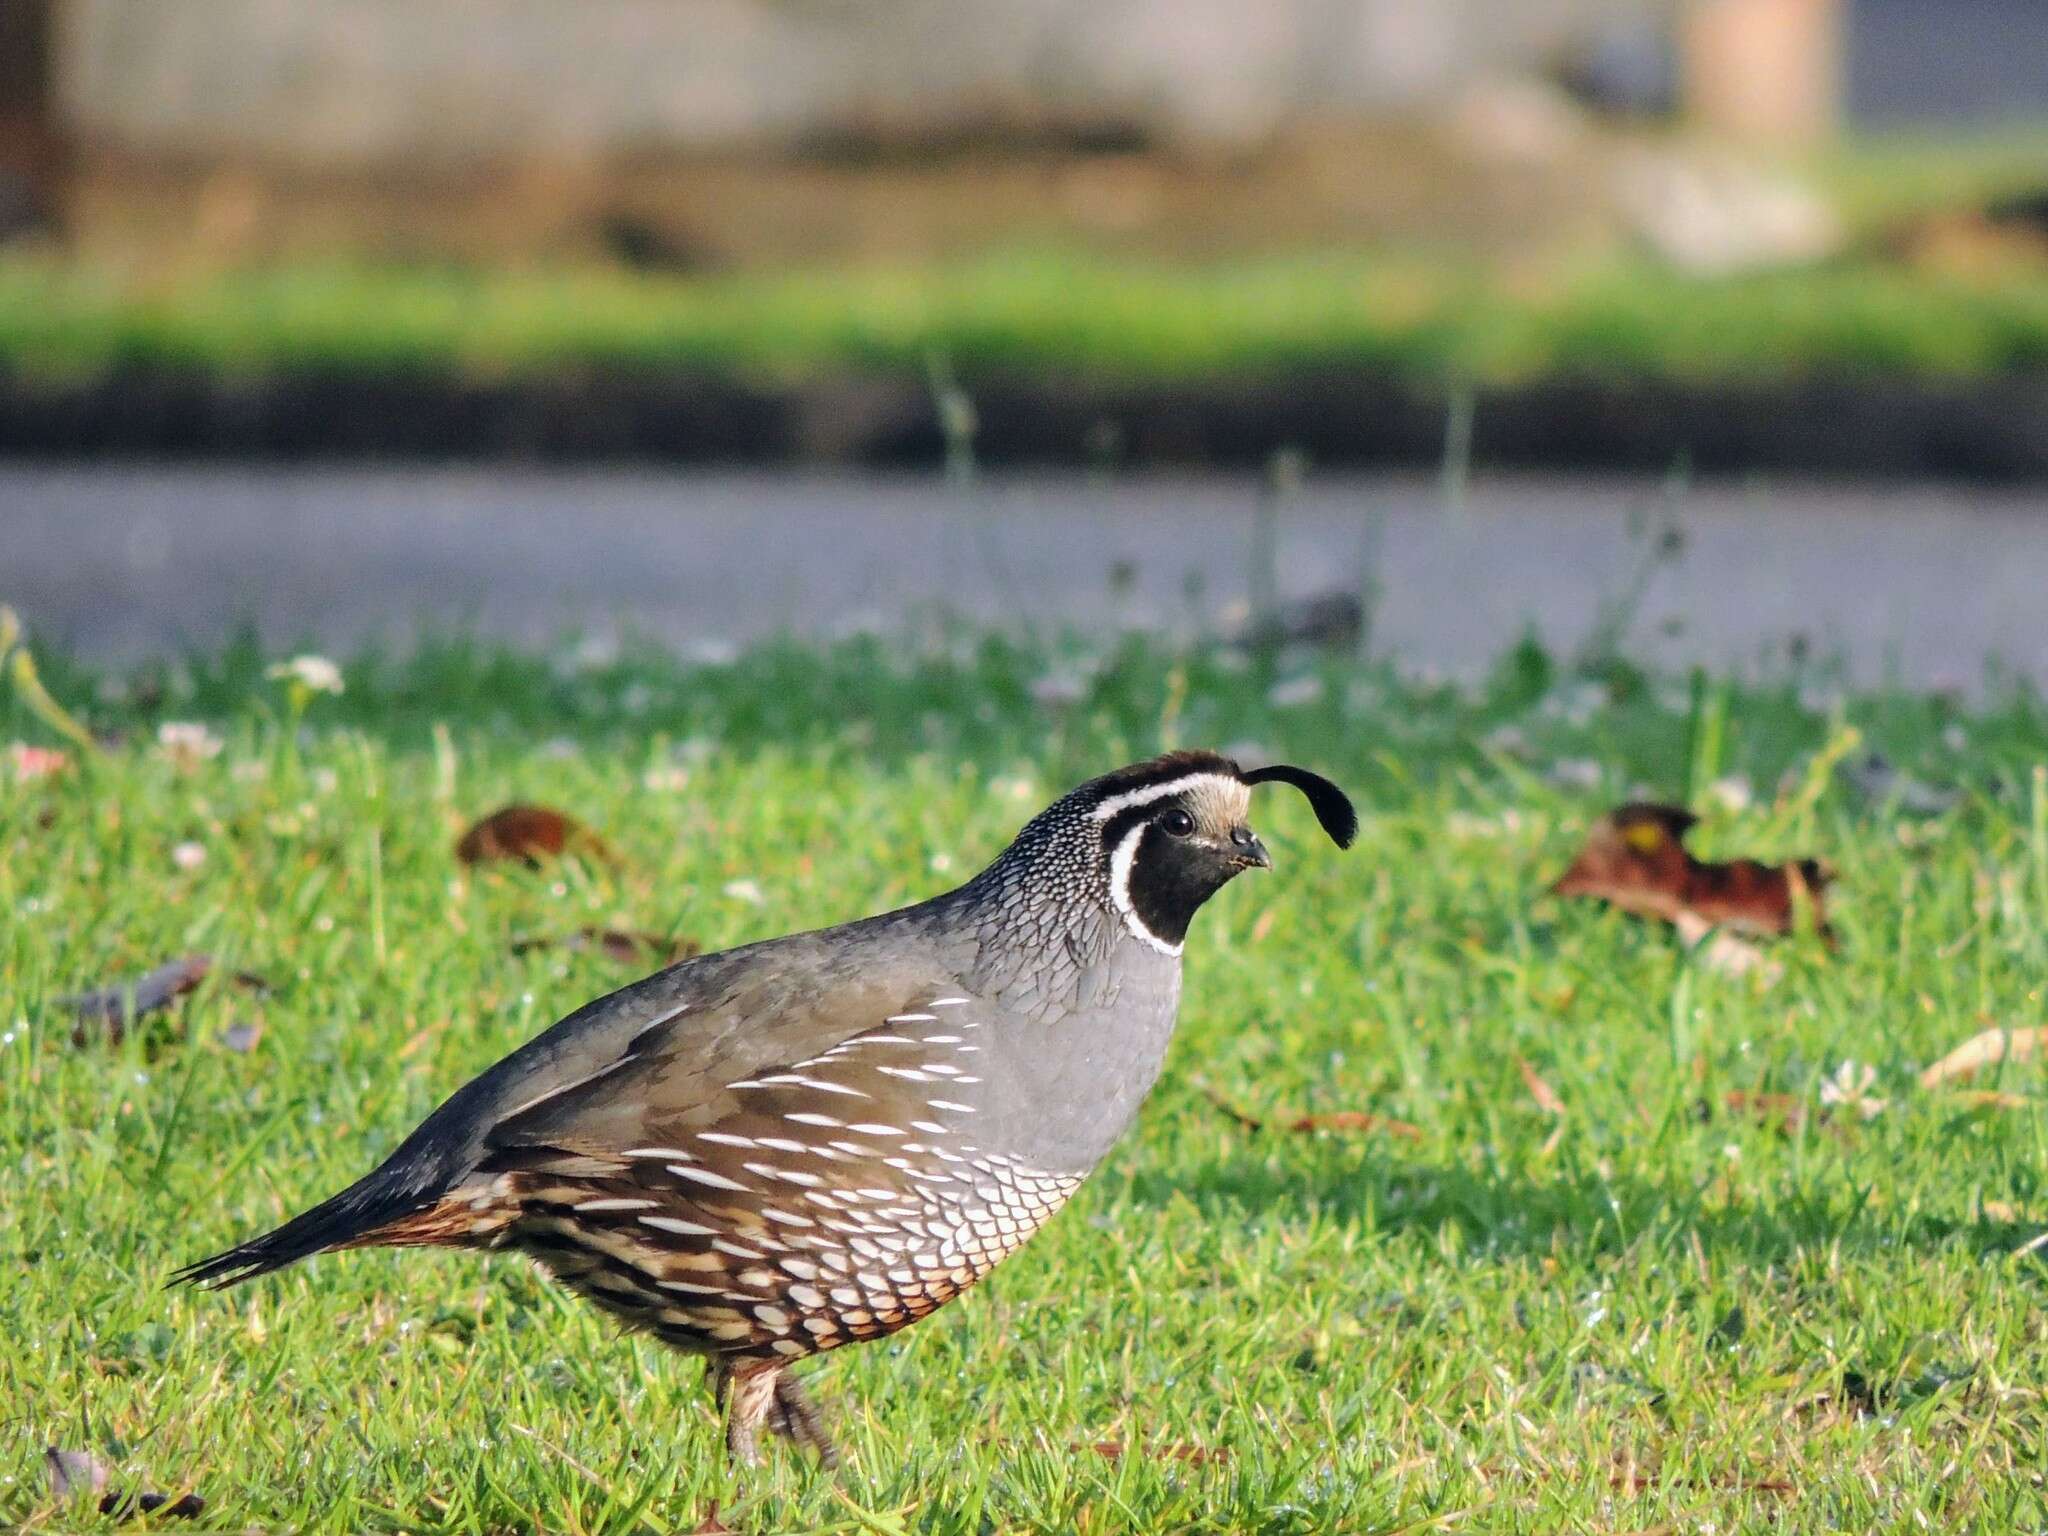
(121, 1004)
(626, 945)
(1983, 1050)
(529, 833)
(1333, 1120)
(1176, 1450)
(80, 1472)
(1635, 858)
(1545, 1096)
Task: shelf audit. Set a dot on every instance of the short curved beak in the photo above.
(1246, 848)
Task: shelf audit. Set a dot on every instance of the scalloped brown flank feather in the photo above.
(766, 1153)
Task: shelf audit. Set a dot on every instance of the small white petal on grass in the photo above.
(747, 891)
(186, 743)
(315, 674)
(1732, 792)
(1850, 1087)
(188, 855)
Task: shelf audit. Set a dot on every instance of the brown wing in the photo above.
(833, 1197)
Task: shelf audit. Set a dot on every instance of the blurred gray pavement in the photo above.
(1922, 583)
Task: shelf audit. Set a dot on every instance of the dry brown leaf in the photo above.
(1983, 1050)
(529, 833)
(1332, 1120)
(1545, 1096)
(1635, 858)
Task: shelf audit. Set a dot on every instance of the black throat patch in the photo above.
(1170, 878)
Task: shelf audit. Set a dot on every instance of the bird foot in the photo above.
(754, 1394)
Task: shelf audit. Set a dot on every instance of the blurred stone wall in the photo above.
(350, 84)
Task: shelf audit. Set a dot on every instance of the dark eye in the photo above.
(1178, 823)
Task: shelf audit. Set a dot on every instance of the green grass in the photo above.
(1651, 1312)
(1058, 314)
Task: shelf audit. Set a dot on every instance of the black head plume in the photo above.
(1331, 805)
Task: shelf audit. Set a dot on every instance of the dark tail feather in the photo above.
(343, 1221)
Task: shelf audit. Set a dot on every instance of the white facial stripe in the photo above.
(1116, 804)
(1120, 891)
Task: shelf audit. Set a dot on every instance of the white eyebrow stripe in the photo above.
(1130, 797)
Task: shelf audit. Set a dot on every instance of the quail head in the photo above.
(764, 1154)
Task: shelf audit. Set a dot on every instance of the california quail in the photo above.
(766, 1153)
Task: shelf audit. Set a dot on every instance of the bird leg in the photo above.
(745, 1389)
(798, 1421)
(755, 1393)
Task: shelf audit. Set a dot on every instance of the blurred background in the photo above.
(1406, 324)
